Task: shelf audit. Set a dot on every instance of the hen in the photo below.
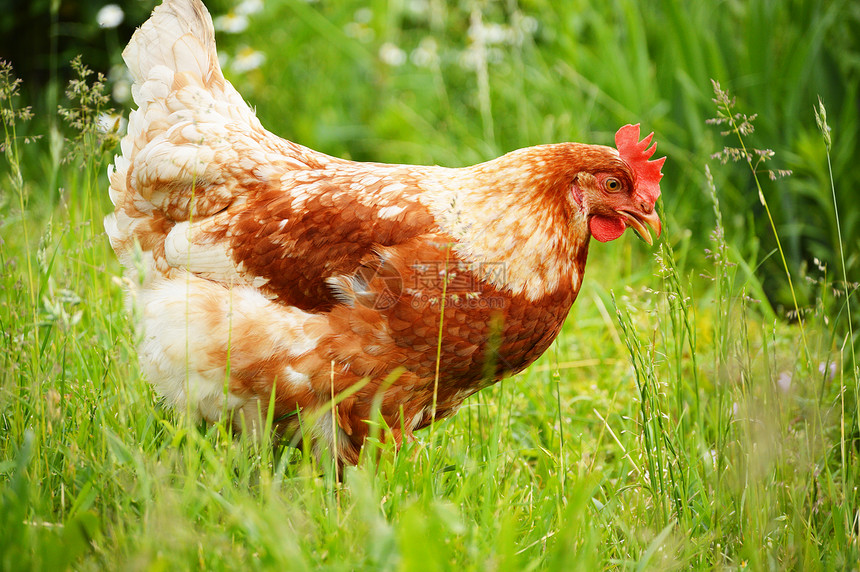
(259, 265)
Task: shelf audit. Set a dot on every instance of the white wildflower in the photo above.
(496, 34)
(827, 369)
(392, 55)
(418, 8)
(121, 91)
(489, 34)
(528, 25)
(361, 32)
(363, 15)
(111, 123)
(248, 7)
(231, 23)
(110, 16)
(784, 381)
(120, 80)
(246, 60)
(426, 54)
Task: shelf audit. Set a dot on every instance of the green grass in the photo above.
(681, 420)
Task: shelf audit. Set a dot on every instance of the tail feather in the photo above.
(185, 138)
(193, 145)
(179, 35)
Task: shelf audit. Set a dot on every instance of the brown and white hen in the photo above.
(260, 265)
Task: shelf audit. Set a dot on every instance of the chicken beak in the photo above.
(638, 220)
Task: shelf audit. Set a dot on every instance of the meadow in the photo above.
(698, 411)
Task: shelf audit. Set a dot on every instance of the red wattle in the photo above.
(606, 228)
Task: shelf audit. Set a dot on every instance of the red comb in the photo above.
(637, 154)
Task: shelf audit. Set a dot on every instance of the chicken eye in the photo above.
(612, 185)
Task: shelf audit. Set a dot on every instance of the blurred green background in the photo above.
(453, 83)
(745, 427)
